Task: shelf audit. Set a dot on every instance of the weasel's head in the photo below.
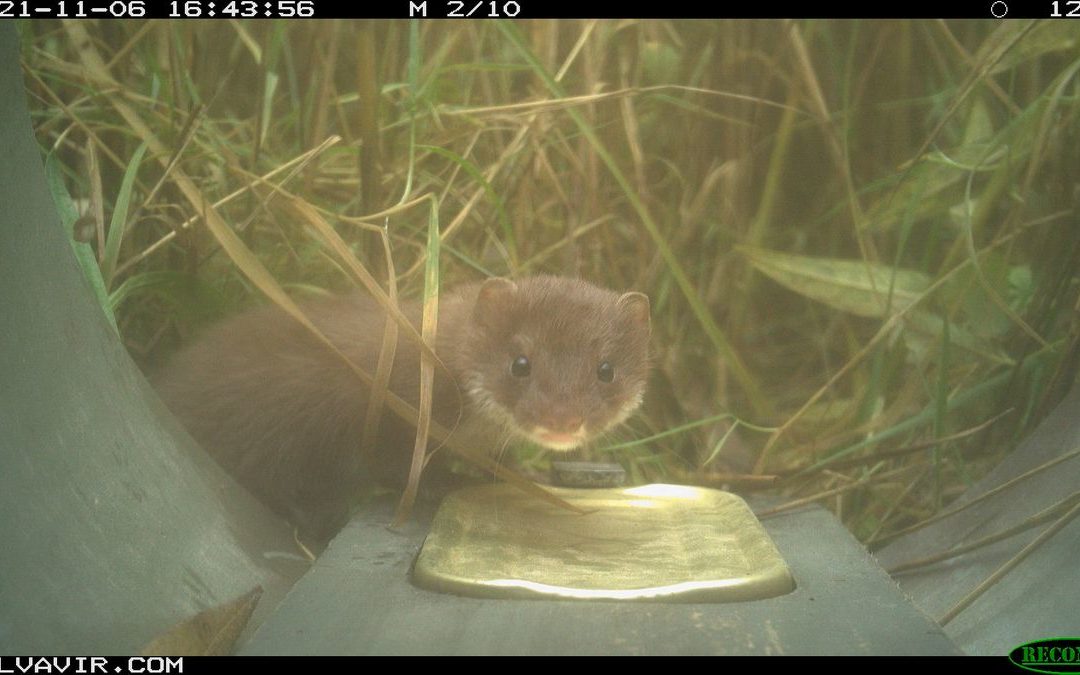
(556, 360)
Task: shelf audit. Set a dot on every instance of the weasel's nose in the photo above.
(562, 422)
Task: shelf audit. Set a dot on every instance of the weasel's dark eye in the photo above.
(520, 367)
(605, 372)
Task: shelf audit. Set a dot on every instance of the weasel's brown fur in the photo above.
(284, 414)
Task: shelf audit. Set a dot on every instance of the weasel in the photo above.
(552, 359)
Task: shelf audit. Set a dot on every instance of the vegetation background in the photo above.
(860, 238)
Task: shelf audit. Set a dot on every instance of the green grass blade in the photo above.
(84, 253)
(118, 223)
(712, 330)
(427, 365)
(477, 175)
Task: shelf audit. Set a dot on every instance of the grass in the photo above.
(860, 239)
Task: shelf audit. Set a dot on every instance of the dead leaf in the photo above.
(212, 632)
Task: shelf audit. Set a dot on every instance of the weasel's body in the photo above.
(554, 359)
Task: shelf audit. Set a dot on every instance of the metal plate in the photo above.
(587, 474)
(662, 542)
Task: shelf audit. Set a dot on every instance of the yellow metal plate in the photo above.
(664, 542)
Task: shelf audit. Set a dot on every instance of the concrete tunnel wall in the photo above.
(114, 526)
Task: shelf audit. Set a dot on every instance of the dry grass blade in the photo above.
(993, 55)
(836, 145)
(427, 364)
(994, 86)
(158, 245)
(338, 245)
(884, 331)
(233, 246)
(1000, 572)
(726, 480)
(368, 123)
(186, 136)
(458, 220)
(562, 103)
(97, 199)
(675, 267)
(1039, 518)
(76, 119)
(882, 166)
(862, 482)
(968, 504)
(244, 259)
(842, 463)
(387, 351)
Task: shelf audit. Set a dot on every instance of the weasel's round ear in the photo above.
(635, 306)
(493, 300)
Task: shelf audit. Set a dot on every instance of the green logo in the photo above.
(1056, 655)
